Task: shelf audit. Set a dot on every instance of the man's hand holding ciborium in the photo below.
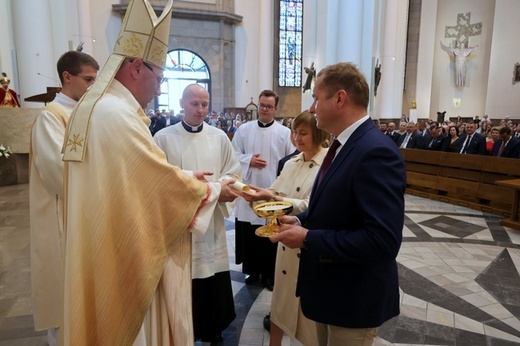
(266, 204)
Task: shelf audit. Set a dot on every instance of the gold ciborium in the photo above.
(272, 211)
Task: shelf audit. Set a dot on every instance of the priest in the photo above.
(194, 145)
(127, 210)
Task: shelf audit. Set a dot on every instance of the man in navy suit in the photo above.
(472, 142)
(409, 138)
(352, 231)
(510, 147)
(435, 139)
(391, 132)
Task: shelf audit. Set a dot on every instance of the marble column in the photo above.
(7, 52)
(426, 58)
(350, 31)
(85, 27)
(265, 46)
(310, 24)
(393, 52)
(33, 36)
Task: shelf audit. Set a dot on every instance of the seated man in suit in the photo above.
(408, 139)
(348, 280)
(472, 142)
(507, 145)
(435, 139)
(391, 132)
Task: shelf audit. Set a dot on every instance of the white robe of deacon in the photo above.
(208, 150)
(46, 212)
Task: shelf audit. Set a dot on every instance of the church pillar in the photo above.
(60, 31)
(389, 94)
(85, 27)
(265, 47)
(309, 55)
(350, 31)
(425, 58)
(7, 52)
(329, 37)
(34, 47)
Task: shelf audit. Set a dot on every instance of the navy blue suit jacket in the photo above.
(512, 149)
(412, 142)
(441, 143)
(477, 145)
(348, 272)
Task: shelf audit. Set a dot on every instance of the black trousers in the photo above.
(257, 254)
(213, 305)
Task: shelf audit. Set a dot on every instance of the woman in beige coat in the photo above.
(293, 185)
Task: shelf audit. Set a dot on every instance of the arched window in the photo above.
(291, 35)
(183, 67)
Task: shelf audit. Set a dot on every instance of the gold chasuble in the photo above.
(126, 210)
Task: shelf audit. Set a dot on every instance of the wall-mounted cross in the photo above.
(463, 30)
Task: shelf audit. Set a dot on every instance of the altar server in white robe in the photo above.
(192, 145)
(77, 71)
(259, 146)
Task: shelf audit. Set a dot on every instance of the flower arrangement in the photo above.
(5, 151)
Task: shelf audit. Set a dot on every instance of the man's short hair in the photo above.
(505, 130)
(346, 76)
(270, 93)
(434, 125)
(73, 61)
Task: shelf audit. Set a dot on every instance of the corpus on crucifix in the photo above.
(460, 53)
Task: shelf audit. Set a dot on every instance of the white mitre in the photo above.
(142, 35)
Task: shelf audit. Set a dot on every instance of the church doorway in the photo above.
(183, 67)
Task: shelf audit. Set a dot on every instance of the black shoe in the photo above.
(268, 283)
(251, 279)
(267, 322)
(213, 340)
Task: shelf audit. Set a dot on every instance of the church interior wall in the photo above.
(34, 60)
(206, 5)
(209, 41)
(412, 53)
(237, 58)
(309, 54)
(472, 95)
(425, 57)
(394, 20)
(503, 98)
(247, 50)
(6, 42)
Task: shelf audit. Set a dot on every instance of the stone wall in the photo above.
(15, 128)
(15, 132)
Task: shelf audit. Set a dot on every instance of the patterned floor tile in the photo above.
(459, 280)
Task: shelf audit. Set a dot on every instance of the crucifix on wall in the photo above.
(459, 48)
(463, 30)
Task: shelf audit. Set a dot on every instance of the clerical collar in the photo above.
(192, 129)
(261, 124)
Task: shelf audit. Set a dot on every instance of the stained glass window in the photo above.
(291, 34)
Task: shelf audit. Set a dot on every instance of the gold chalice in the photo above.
(272, 211)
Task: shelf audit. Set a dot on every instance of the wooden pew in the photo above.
(465, 180)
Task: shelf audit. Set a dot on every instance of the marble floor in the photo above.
(459, 279)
